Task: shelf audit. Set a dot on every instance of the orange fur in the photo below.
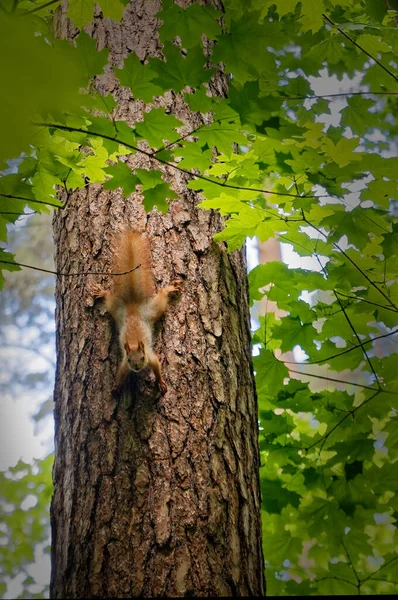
(131, 251)
(134, 305)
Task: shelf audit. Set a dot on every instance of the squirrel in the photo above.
(134, 305)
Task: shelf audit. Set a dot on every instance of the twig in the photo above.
(360, 47)
(318, 96)
(349, 414)
(352, 262)
(366, 387)
(358, 340)
(168, 164)
(360, 345)
(31, 200)
(63, 274)
(367, 301)
(33, 10)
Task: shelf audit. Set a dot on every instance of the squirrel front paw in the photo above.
(175, 286)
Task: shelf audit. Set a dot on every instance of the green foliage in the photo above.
(25, 493)
(267, 160)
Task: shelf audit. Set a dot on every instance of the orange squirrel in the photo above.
(134, 305)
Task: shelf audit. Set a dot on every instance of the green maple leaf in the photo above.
(157, 196)
(342, 153)
(352, 450)
(373, 44)
(158, 127)
(9, 265)
(251, 108)
(93, 165)
(270, 373)
(222, 135)
(311, 15)
(139, 78)
(293, 333)
(199, 101)
(179, 71)
(330, 50)
(352, 224)
(193, 156)
(235, 233)
(284, 7)
(357, 116)
(275, 497)
(81, 12)
(121, 177)
(189, 23)
(282, 547)
(90, 60)
(381, 192)
(244, 50)
(149, 178)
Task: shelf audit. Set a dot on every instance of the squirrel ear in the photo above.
(126, 347)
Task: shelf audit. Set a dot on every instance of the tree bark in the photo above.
(153, 495)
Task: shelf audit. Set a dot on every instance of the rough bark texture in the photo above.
(154, 495)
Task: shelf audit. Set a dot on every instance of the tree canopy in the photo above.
(281, 159)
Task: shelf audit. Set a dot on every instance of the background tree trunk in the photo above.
(154, 495)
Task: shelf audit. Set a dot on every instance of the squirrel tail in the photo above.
(131, 251)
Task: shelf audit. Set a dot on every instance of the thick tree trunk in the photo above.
(154, 495)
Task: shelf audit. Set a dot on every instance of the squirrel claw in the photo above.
(176, 285)
(95, 290)
(163, 386)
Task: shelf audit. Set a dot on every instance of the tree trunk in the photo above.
(154, 495)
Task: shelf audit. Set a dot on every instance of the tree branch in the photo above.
(151, 155)
(352, 262)
(349, 414)
(367, 301)
(360, 345)
(63, 274)
(365, 387)
(33, 10)
(358, 340)
(31, 200)
(360, 48)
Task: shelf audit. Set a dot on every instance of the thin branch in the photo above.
(351, 563)
(352, 262)
(5, 212)
(33, 10)
(391, 581)
(63, 274)
(360, 345)
(361, 48)
(14, 6)
(389, 7)
(183, 137)
(367, 301)
(318, 96)
(4, 9)
(169, 164)
(365, 387)
(348, 414)
(380, 568)
(337, 579)
(31, 200)
(358, 340)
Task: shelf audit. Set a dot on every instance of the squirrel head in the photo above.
(135, 355)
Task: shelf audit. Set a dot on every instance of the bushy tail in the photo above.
(131, 251)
